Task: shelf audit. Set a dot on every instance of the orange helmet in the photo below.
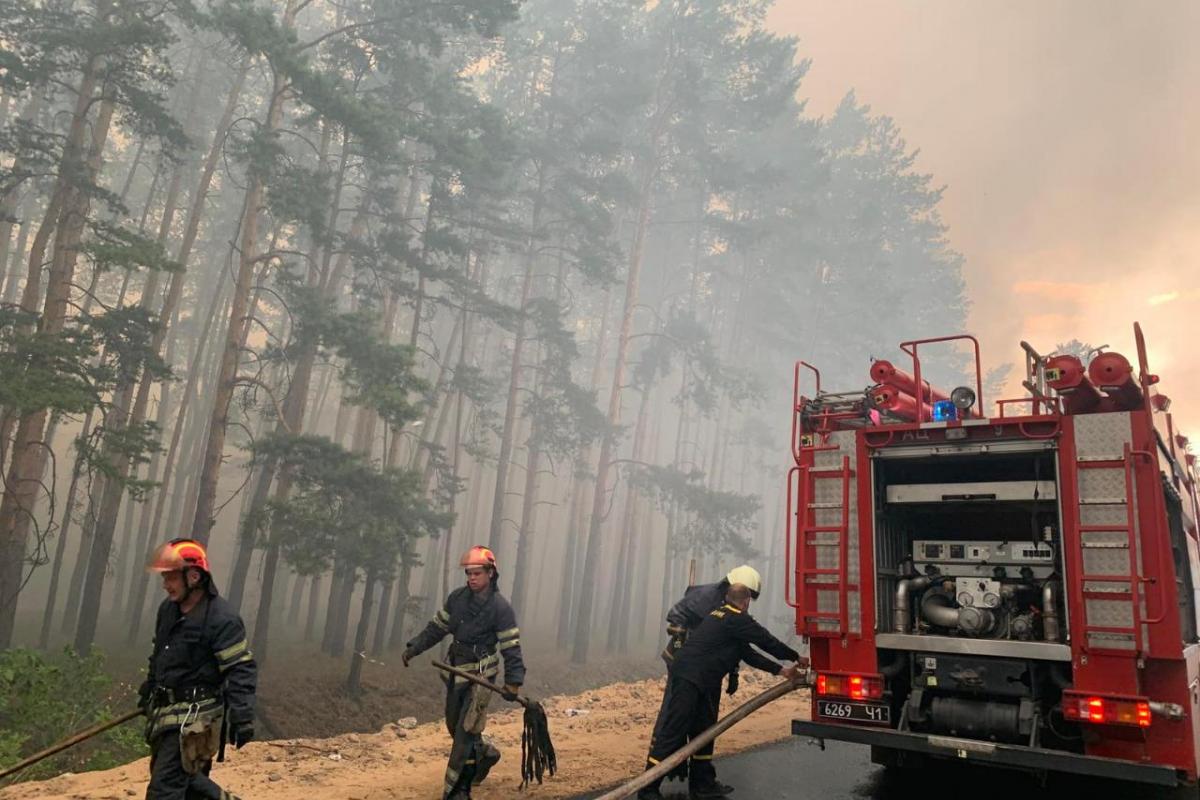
(178, 555)
(478, 556)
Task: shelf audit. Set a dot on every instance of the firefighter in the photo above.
(484, 628)
(690, 611)
(698, 602)
(200, 685)
(713, 650)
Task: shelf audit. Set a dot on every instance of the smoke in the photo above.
(1065, 134)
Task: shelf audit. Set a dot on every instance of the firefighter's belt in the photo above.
(173, 709)
(474, 658)
(166, 695)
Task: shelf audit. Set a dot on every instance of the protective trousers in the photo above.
(169, 780)
(688, 710)
(470, 755)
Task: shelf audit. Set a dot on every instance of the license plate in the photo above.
(878, 713)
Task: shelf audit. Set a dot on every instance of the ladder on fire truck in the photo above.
(821, 532)
(1110, 596)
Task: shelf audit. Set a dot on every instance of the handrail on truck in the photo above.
(911, 349)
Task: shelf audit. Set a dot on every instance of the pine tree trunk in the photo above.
(335, 592)
(337, 647)
(29, 457)
(310, 622)
(293, 617)
(354, 681)
(10, 199)
(64, 529)
(215, 445)
(262, 623)
(381, 624)
(587, 589)
(619, 619)
(292, 421)
(248, 534)
(18, 256)
(396, 638)
(495, 530)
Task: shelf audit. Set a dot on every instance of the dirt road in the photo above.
(601, 737)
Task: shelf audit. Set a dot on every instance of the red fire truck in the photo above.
(1017, 589)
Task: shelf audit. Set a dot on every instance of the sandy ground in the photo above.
(601, 736)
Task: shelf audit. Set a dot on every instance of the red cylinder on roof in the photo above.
(1113, 373)
(1066, 375)
(885, 372)
(892, 400)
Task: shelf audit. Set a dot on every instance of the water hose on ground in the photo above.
(684, 753)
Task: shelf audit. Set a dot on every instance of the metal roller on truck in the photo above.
(1015, 588)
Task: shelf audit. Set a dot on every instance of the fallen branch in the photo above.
(669, 763)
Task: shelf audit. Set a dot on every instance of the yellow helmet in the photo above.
(747, 576)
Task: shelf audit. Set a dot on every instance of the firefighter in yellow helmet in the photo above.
(485, 631)
(697, 603)
(200, 685)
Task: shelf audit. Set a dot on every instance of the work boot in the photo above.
(487, 758)
(650, 793)
(710, 791)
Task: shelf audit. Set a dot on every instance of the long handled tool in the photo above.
(537, 751)
(82, 736)
(684, 753)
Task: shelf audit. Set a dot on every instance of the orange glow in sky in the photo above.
(1068, 137)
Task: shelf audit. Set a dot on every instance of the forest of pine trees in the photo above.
(343, 288)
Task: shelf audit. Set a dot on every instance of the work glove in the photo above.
(511, 690)
(732, 687)
(406, 656)
(243, 734)
(145, 692)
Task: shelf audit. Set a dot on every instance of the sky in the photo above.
(1067, 135)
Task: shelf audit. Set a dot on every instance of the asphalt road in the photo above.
(794, 770)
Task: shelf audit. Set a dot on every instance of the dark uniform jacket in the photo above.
(200, 661)
(696, 604)
(484, 629)
(722, 641)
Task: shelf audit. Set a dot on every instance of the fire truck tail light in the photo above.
(1106, 710)
(856, 687)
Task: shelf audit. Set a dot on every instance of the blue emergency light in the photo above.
(945, 411)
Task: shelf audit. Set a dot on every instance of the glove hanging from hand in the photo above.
(243, 734)
(732, 686)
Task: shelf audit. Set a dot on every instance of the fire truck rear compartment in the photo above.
(968, 586)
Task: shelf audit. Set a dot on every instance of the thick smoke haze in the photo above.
(1065, 134)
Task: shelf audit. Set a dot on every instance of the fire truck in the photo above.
(1015, 588)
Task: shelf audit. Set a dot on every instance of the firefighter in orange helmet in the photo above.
(200, 685)
(485, 631)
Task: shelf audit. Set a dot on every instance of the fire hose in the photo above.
(684, 753)
(71, 741)
(537, 751)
